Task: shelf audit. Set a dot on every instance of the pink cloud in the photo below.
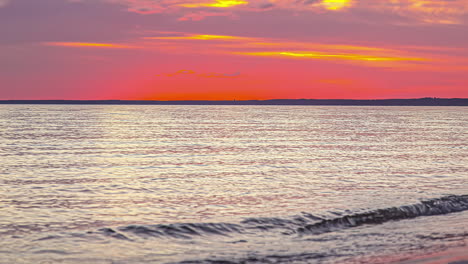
(418, 11)
(197, 16)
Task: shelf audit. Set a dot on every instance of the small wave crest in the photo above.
(439, 206)
(182, 230)
(178, 231)
(303, 224)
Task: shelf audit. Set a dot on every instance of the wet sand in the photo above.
(451, 256)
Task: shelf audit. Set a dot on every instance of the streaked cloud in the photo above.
(88, 45)
(391, 57)
(203, 37)
(331, 56)
(364, 55)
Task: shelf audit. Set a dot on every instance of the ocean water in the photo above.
(231, 184)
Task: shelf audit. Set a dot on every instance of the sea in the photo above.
(231, 184)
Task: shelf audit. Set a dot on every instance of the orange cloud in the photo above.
(88, 45)
(180, 72)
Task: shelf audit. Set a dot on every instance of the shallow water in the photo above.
(160, 184)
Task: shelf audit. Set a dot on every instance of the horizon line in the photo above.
(424, 101)
(242, 100)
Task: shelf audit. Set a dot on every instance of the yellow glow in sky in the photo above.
(228, 3)
(220, 37)
(203, 37)
(336, 4)
(217, 3)
(318, 55)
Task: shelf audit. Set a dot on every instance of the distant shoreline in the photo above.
(377, 102)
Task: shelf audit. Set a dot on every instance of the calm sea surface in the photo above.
(250, 184)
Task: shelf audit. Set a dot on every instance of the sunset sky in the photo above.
(233, 49)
